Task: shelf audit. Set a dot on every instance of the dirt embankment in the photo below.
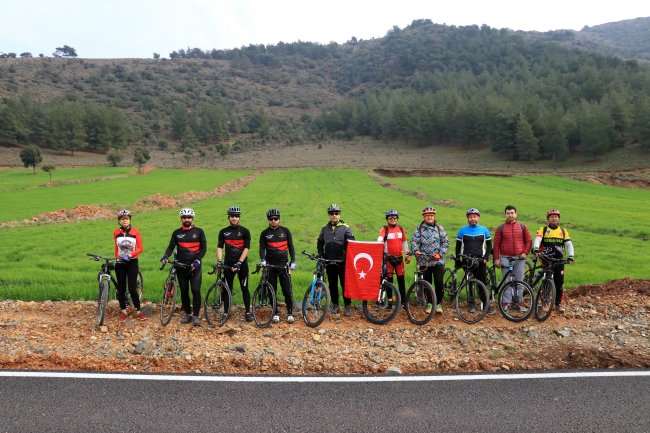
(604, 326)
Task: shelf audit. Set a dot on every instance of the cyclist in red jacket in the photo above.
(128, 244)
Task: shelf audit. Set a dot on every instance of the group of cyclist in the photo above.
(429, 243)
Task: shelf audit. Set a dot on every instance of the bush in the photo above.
(115, 157)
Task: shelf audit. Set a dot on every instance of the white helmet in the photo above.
(187, 212)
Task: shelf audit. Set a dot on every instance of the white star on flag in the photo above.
(362, 275)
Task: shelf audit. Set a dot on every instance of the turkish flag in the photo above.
(363, 263)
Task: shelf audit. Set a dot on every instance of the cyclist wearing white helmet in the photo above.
(237, 242)
(190, 246)
(128, 245)
(474, 240)
(332, 244)
(395, 245)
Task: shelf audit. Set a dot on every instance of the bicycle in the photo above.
(170, 293)
(385, 307)
(468, 296)
(105, 277)
(218, 301)
(545, 298)
(520, 307)
(315, 303)
(420, 296)
(264, 302)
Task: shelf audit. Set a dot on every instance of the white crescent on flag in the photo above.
(367, 256)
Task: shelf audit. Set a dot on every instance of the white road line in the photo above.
(307, 379)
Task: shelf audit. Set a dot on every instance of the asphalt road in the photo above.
(503, 404)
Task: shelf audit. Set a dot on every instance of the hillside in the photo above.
(429, 83)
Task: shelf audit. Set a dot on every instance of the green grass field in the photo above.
(18, 178)
(49, 262)
(118, 192)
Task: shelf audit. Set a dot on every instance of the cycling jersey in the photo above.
(395, 241)
(333, 240)
(190, 244)
(276, 245)
(236, 239)
(554, 240)
(127, 241)
(474, 241)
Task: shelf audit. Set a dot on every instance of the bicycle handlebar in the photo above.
(321, 259)
(217, 266)
(175, 264)
(260, 266)
(97, 258)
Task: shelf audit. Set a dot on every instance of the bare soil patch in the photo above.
(604, 326)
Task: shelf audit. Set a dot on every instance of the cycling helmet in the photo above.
(473, 210)
(186, 212)
(123, 213)
(334, 208)
(272, 213)
(429, 209)
(553, 212)
(391, 213)
(234, 211)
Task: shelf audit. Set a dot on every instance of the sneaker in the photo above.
(123, 318)
(187, 319)
(506, 306)
(196, 321)
(249, 317)
(522, 308)
(224, 317)
(490, 311)
(389, 306)
(472, 308)
(276, 318)
(336, 309)
(429, 308)
(348, 311)
(141, 316)
(560, 308)
(290, 318)
(439, 308)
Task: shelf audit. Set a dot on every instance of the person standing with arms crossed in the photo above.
(276, 246)
(190, 245)
(237, 242)
(511, 239)
(128, 244)
(332, 244)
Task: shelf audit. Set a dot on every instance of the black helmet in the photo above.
(234, 211)
(272, 213)
(334, 208)
(474, 211)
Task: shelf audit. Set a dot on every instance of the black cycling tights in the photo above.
(123, 271)
(187, 278)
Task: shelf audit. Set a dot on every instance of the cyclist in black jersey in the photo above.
(237, 242)
(189, 246)
(276, 246)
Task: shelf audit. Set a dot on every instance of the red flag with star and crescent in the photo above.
(363, 263)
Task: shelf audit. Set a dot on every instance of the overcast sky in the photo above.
(138, 28)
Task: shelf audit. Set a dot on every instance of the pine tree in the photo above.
(554, 140)
(527, 143)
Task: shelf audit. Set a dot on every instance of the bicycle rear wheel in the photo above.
(449, 283)
(140, 285)
(263, 304)
(383, 309)
(469, 301)
(102, 302)
(418, 296)
(520, 305)
(544, 300)
(529, 276)
(168, 303)
(315, 304)
(215, 303)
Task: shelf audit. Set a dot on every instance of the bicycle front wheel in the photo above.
(528, 276)
(102, 302)
(516, 301)
(315, 304)
(263, 304)
(449, 283)
(168, 303)
(383, 309)
(544, 300)
(214, 306)
(419, 298)
(469, 301)
(140, 285)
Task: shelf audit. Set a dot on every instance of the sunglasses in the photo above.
(274, 219)
(187, 218)
(335, 213)
(392, 218)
